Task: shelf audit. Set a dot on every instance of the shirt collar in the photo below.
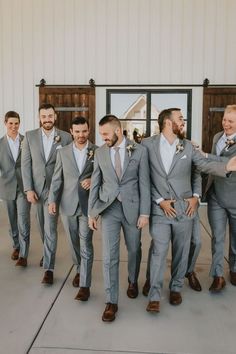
(230, 137)
(122, 144)
(50, 135)
(16, 139)
(165, 141)
(84, 148)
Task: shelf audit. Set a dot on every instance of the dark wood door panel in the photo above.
(69, 102)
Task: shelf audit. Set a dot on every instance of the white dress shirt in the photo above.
(80, 156)
(14, 146)
(121, 151)
(47, 142)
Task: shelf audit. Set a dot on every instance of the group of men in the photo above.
(128, 185)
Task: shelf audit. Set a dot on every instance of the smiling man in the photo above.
(11, 188)
(221, 197)
(38, 160)
(70, 189)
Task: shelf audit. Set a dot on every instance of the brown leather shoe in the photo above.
(146, 288)
(193, 281)
(83, 294)
(22, 262)
(132, 291)
(233, 278)
(109, 313)
(175, 298)
(48, 277)
(41, 262)
(153, 306)
(217, 285)
(15, 254)
(75, 281)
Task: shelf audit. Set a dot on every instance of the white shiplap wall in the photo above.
(114, 42)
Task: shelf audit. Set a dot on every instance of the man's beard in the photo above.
(46, 125)
(112, 141)
(176, 130)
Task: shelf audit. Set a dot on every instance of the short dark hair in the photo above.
(46, 106)
(79, 120)
(165, 114)
(110, 118)
(11, 114)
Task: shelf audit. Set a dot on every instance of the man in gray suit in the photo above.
(120, 193)
(221, 197)
(11, 188)
(173, 205)
(38, 160)
(70, 189)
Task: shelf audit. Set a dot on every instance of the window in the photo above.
(138, 110)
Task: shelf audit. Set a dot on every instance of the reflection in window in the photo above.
(138, 110)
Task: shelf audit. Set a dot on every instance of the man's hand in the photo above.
(168, 207)
(142, 221)
(192, 206)
(52, 208)
(32, 197)
(86, 183)
(231, 165)
(92, 223)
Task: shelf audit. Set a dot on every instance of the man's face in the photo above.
(47, 118)
(80, 133)
(108, 133)
(229, 123)
(178, 124)
(12, 126)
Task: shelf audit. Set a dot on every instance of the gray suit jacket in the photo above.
(178, 183)
(224, 188)
(10, 171)
(134, 186)
(36, 171)
(66, 181)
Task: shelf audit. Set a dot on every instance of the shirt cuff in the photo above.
(159, 200)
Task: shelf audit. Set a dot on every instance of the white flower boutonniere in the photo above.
(229, 143)
(90, 153)
(57, 139)
(179, 148)
(130, 148)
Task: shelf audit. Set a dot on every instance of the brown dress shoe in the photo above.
(233, 278)
(15, 254)
(109, 313)
(22, 262)
(175, 298)
(75, 281)
(153, 306)
(193, 281)
(48, 277)
(132, 291)
(217, 285)
(41, 262)
(83, 294)
(146, 287)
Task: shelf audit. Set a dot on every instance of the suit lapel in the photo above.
(177, 156)
(215, 143)
(40, 140)
(8, 149)
(127, 157)
(19, 151)
(156, 149)
(71, 158)
(87, 161)
(54, 144)
(107, 161)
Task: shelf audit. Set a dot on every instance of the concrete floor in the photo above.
(37, 319)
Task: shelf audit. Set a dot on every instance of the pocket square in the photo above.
(58, 147)
(183, 157)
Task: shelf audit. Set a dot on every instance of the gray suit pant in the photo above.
(179, 234)
(218, 217)
(48, 231)
(19, 218)
(113, 220)
(80, 238)
(195, 247)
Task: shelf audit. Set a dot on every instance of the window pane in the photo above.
(128, 105)
(134, 129)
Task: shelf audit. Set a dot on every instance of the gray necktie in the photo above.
(118, 168)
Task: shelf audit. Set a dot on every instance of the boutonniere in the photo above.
(90, 153)
(229, 143)
(57, 139)
(130, 148)
(179, 148)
